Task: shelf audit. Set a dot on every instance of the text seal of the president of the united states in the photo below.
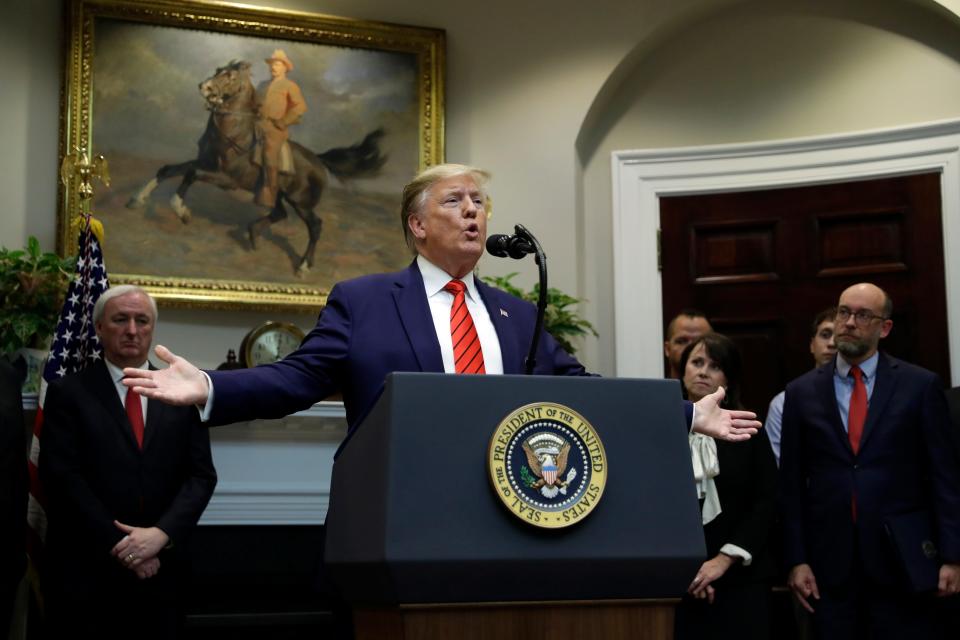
(547, 465)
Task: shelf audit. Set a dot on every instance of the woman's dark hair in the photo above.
(725, 353)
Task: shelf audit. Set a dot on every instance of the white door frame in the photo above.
(642, 177)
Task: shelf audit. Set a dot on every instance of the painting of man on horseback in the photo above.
(246, 146)
(193, 120)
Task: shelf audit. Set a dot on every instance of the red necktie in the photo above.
(858, 409)
(467, 354)
(135, 415)
(855, 419)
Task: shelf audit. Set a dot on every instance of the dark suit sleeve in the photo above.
(559, 362)
(944, 469)
(304, 377)
(953, 402)
(13, 481)
(792, 483)
(63, 483)
(185, 510)
(552, 359)
(752, 531)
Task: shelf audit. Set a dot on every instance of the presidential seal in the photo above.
(547, 465)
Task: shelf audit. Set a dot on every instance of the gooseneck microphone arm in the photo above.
(541, 259)
(517, 246)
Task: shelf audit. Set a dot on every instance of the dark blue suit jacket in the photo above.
(906, 463)
(372, 326)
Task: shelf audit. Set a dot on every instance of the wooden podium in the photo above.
(579, 620)
(419, 543)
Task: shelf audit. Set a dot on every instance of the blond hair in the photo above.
(416, 192)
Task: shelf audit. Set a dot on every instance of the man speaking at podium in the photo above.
(434, 316)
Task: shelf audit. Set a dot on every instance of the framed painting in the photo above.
(256, 156)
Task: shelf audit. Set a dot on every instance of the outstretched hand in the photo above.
(712, 420)
(180, 383)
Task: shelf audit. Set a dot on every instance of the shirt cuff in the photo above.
(206, 408)
(693, 416)
(737, 552)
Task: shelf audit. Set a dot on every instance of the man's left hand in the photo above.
(712, 420)
(949, 580)
(139, 545)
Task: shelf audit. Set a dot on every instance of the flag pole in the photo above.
(75, 343)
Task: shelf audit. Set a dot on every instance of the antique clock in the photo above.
(270, 342)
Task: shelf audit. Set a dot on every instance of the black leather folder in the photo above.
(912, 535)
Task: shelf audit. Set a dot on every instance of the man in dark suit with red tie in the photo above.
(405, 321)
(126, 480)
(866, 444)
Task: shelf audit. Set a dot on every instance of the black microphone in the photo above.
(502, 246)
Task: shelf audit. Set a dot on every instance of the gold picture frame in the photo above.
(145, 86)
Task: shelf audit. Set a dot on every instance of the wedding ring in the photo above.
(131, 556)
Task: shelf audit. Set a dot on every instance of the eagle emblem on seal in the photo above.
(547, 458)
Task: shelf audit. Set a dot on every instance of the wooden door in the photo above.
(762, 264)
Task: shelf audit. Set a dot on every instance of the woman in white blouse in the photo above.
(736, 484)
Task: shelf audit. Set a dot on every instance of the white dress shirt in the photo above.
(441, 302)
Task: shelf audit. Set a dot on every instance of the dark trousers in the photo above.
(865, 610)
(738, 612)
(108, 607)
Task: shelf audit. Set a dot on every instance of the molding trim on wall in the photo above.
(276, 503)
(642, 177)
(276, 472)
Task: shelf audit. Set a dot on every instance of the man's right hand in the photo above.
(803, 585)
(147, 569)
(180, 383)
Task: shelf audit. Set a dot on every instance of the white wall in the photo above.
(29, 112)
(523, 77)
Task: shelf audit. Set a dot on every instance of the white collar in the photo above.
(116, 373)
(435, 279)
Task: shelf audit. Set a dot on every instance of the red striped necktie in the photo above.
(467, 354)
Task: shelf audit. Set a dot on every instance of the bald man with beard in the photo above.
(866, 442)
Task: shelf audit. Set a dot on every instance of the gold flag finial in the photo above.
(78, 168)
(78, 171)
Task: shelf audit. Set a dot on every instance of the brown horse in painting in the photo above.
(225, 160)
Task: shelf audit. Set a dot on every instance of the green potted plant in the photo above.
(559, 320)
(32, 286)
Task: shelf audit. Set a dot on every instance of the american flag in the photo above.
(75, 345)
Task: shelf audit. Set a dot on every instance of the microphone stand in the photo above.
(541, 259)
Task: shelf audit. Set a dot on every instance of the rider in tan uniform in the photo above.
(281, 104)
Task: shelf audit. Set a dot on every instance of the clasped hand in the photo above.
(138, 549)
